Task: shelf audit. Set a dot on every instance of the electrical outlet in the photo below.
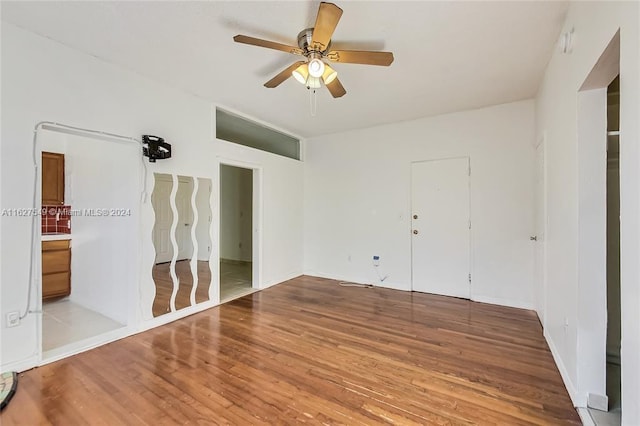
(13, 319)
(376, 260)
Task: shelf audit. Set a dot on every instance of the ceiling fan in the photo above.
(315, 45)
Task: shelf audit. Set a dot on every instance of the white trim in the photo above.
(385, 284)
(585, 417)
(257, 207)
(578, 400)
(173, 316)
(598, 402)
(248, 117)
(504, 302)
(281, 279)
(22, 365)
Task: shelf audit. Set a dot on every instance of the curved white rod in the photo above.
(174, 243)
(194, 241)
(34, 273)
(155, 254)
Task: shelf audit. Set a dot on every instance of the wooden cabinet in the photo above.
(52, 178)
(56, 268)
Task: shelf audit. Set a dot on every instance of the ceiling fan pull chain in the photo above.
(313, 102)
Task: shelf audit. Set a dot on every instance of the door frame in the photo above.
(256, 221)
(541, 234)
(410, 215)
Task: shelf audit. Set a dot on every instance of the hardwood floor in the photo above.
(310, 351)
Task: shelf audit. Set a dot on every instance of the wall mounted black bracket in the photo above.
(155, 148)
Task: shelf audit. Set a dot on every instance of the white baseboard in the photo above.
(334, 277)
(598, 402)
(503, 302)
(578, 400)
(173, 316)
(20, 366)
(281, 279)
(585, 417)
(384, 284)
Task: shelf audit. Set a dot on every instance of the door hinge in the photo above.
(469, 224)
(469, 278)
(469, 169)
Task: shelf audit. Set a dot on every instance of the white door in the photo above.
(538, 238)
(164, 217)
(185, 217)
(441, 227)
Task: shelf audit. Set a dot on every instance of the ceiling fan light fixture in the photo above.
(316, 68)
(329, 74)
(301, 73)
(313, 82)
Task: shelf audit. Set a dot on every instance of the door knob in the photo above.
(415, 232)
(415, 216)
(533, 238)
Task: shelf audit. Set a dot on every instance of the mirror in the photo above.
(164, 249)
(182, 241)
(203, 238)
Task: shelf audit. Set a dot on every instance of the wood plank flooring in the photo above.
(310, 351)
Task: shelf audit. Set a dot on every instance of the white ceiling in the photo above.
(449, 56)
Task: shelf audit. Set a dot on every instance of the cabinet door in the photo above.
(56, 285)
(56, 268)
(52, 178)
(56, 261)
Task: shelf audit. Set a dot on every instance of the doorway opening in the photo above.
(613, 245)
(599, 237)
(237, 242)
(87, 270)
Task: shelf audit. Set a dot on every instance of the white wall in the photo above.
(357, 198)
(595, 24)
(592, 239)
(613, 258)
(43, 80)
(236, 197)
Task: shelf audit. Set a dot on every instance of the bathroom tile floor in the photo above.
(613, 417)
(235, 280)
(65, 322)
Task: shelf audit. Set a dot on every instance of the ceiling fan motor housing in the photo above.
(304, 42)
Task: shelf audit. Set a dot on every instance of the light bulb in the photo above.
(316, 68)
(301, 73)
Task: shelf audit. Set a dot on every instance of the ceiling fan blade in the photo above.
(361, 57)
(336, 89)
(328, 16)
(268, 44)
(283, 75)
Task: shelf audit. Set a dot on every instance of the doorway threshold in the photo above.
(83, 345)
(238, 294)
